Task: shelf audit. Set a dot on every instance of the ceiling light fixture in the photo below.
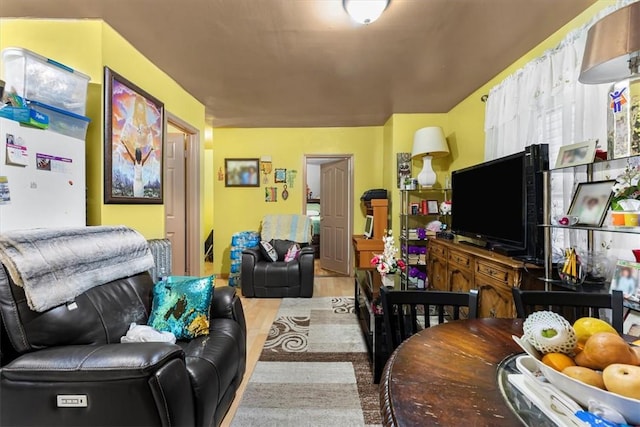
(365, 11)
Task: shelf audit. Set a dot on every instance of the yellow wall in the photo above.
(87, 46)
(241, 209)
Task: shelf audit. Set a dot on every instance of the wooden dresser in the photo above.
(459, 267)
(365, 248)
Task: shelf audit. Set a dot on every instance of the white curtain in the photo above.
(544, 103)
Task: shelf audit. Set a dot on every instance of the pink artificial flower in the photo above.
(375, 260)
(383, 268)
(401, 264)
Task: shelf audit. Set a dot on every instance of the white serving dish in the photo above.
(581, 392)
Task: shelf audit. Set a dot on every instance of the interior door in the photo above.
(174, 200)
(334, 224)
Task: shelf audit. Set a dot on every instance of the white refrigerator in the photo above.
(42, 178)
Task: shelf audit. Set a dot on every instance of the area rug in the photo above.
(313, 370)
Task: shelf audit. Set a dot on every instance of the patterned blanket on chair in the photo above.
(53, 266)
(296, 228)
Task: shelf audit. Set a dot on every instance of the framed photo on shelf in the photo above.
(280, 175)
(581, 153)
(632, 323)
(242, 172)
(415, 209)
(134, 126)
(590, 202)
(626, 278)
(432, 207)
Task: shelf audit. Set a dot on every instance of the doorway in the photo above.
(328, 200)
(181, 196)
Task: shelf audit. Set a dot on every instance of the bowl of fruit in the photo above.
(588, 361)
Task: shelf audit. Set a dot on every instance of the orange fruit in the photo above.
(558, 361)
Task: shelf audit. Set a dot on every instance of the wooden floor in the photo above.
(260, 313)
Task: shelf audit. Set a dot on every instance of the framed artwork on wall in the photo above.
(403, 164)
(242, 172)
(133, 143)
(280, 175)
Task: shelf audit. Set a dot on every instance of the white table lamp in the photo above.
(428, 143)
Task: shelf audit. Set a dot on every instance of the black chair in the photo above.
(401, 314)
(571, 305)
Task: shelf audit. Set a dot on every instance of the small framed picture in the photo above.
(415, 209)
(590, 202)
(432, 207)
(242, 172)
(581, 153)
(626, 279)
(280, 175)
(403, 163)
(632, 324)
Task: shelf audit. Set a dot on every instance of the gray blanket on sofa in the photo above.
(55, 265)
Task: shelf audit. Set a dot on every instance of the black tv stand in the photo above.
(505, 250)
(529, 260)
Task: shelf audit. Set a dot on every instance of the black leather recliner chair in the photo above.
(66, 366)
(277, 279)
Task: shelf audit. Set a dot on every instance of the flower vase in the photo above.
(388, 280)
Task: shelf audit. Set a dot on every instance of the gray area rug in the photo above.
(313, 370)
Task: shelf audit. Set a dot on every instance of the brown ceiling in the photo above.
(300, 63)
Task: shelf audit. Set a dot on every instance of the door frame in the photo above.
(192, 196)
(350, 206)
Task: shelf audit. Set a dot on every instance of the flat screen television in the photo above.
(489, 203)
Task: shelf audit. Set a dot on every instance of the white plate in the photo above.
(581, 392)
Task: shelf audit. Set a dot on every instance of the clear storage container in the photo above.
(64, 122)
(40, 79)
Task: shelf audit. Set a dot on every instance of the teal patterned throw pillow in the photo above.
(181, 305)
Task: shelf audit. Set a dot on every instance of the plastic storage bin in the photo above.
(40, 79)
(240, 241)
(64, 122)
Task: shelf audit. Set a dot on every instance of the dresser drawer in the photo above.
(437, 250)
(496, 299)
(494, 271)
(460, 259)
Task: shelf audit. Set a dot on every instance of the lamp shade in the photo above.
(612, 49)
(365, 11)
(429, 141)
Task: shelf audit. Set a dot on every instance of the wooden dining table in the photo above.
(446, 375)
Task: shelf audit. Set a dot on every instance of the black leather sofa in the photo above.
(66, 366)
(277, 279)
